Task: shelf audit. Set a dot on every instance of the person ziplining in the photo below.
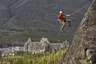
(62, 19)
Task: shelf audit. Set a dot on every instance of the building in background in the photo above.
(44, 46)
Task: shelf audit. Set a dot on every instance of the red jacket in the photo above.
(61, 17)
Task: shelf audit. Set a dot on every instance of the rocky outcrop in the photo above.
(83, 47)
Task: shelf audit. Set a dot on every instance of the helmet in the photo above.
(60, 12)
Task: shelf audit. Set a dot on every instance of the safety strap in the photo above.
(79, 9)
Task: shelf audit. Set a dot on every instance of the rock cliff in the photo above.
(83, 47)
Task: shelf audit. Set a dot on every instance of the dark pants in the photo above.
(69, 23)
(64, 22)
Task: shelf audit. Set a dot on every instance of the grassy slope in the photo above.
(47, 58)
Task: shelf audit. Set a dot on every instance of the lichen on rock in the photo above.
(83, 47)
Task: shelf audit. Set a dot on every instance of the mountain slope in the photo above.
(21, 16)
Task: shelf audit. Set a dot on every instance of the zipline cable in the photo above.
(79, 9)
